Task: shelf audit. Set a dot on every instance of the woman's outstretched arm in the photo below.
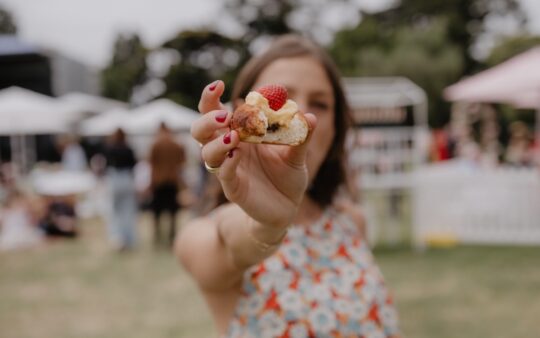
(265, 185)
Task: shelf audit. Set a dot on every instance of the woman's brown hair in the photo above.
(332, 172)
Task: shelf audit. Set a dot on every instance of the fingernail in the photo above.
(227, 138)
(213, 85)
(230, 154)
(221, 116)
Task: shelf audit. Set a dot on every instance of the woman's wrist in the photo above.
(248, 240)
(265, 237)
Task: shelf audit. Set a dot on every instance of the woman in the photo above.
(120, 162)
(280, 260)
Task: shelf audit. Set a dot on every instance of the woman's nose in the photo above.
(302, 105)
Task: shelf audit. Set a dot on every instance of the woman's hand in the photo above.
(267, 181)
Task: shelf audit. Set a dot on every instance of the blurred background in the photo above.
(444, 154)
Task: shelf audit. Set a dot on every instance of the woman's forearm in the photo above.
(246, 240)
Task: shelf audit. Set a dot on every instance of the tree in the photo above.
(431, 42)
(466, 19)
(511, 46)
(127, 68)
(260, 18)
(319, 19)
(7, 24)
(422, 53)
(204, 56)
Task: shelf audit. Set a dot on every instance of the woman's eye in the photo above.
(319, 105)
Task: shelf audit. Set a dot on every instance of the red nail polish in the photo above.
(230, 154)
(213, 86)
(227, 138)
(221, 116)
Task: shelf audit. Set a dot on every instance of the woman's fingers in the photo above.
(205, 127)
(210, 97)
(228, 174)
(296, 156)
(216, 151)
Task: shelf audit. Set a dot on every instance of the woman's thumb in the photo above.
(297, 155)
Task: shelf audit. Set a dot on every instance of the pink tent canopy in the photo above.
(516, 81)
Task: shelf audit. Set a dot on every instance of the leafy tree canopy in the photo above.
(423, 53)
(465, 19)
(126, 69)
(510, 47)
(204, 56)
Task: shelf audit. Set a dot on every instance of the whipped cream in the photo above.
(282, 116)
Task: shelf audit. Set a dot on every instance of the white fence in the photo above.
(383, 161)
(476, 206)
(385, 158)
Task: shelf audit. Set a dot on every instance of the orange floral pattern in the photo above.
(322, 282)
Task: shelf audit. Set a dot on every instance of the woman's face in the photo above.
(308, 85)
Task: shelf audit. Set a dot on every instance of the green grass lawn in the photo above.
(83, 289)
(466, 291)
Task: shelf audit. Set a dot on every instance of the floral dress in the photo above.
(322, 282)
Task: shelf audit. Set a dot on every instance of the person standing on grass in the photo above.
(167, 158)
(72, 154)
(120, 161)
(279, 258)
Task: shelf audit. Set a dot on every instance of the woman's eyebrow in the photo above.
(318, 92)
(321, 93)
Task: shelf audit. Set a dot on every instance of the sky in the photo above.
(86, 29)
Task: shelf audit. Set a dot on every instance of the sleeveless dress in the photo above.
(322, 282)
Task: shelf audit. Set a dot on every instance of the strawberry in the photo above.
(275, 94)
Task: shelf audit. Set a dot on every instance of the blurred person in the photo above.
(60, 218)
(98, 164)
(18, 224)
(489, 137)
(519, 151)
(8, 176)
(3, 185)
(142, 176)
(167, 158)
(279, 258)
(440, 147)
(120, 161)
(72, 154)
(469, 154)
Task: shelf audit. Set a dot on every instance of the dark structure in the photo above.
(25, 66)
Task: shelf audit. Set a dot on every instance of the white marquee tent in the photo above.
(89, 104)
(144, 120)
(24, 112)
(105, 123)
(147, 118)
